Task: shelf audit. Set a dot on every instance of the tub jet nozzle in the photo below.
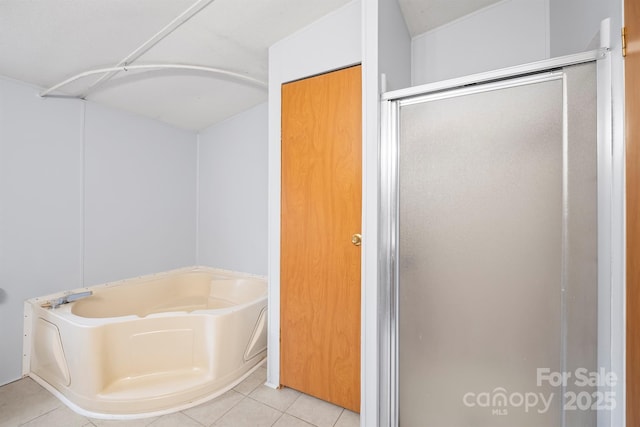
(55, 303)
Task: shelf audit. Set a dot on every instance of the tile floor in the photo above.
(250, 404)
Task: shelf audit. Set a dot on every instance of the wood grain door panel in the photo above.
(320, 211)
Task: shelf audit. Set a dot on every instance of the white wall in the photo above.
(140, 196)
(40, 207)
(87, 194)
(508, 33)
(330, 43)
(575, 24)
(232, 193)
(394, 48)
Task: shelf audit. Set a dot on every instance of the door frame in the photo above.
(610, 216)
(284, 75)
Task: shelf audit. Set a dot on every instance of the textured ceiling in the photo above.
(44, 42)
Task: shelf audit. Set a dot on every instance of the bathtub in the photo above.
(150, 345)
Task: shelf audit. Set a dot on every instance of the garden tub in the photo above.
(150, 345)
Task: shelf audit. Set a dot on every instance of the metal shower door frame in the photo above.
(388, 209)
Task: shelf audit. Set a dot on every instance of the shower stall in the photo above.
(490, 223)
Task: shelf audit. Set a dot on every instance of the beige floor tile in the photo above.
(24, 400)
(315, 411)
(257, 378)
(348, 419)
(61, 416)
(290, 421)
(141, 422)
(210, 412)
(279, 399)
(249, 413)
(175, 420)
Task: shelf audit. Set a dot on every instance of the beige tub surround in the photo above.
(149, 345)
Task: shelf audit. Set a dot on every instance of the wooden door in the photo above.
(320, 212)
(632, 123)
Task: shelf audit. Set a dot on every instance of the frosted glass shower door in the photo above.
(497, 253)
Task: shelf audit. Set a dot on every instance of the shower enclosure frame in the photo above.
(610, 236)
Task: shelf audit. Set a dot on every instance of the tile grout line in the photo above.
(338, 419)
(304, 421)
(191, 418)
(284, 411)
(228, 410)
(38, 416)
(278, 419)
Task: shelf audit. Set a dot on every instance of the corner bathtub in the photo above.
(150, 345)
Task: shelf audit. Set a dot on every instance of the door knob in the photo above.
(356, 239)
